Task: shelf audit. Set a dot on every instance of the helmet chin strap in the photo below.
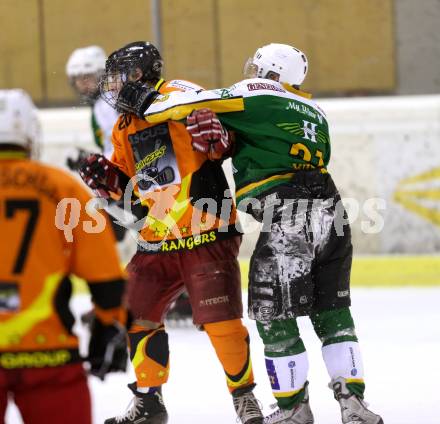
(150, 82)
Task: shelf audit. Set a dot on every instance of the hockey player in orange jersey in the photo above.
(84, 68)
(40, 367)
(182, 245)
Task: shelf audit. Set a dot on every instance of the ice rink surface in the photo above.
(399, 332)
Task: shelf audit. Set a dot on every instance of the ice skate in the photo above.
(246, 405)
(353, 409)
(180, 313)
(147, 408)
(300, 414)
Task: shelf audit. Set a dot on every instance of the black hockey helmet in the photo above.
(137, 55)
(138, 61)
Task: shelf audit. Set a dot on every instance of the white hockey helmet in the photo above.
(86, 61)
(19, 123)
(282, 62)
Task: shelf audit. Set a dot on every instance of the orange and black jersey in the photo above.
(36, 261)
(173, 181)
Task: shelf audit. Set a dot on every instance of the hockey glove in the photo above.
(107, 347)
(74, 163)
(101, 176)
(135, 98)
(208, 134)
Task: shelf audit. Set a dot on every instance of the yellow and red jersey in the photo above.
(36, 261)
(172, 181)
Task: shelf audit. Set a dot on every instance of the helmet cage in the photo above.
(252, 70)
(138, 61)
(110, 85)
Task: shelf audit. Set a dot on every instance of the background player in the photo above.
(40, 367)
(301, 263)
(84, 69)
(180, 252)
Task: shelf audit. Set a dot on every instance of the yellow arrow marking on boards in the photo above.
(410, 198)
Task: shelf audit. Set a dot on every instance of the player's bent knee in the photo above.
(149, 354)
(280, 337)
(334, 326)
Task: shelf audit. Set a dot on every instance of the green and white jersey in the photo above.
(103, 119)
(278, 130)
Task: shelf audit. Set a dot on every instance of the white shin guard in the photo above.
(343, 360)
(287, 374)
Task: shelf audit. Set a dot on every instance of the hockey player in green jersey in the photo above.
(84, 69)
(280, 146)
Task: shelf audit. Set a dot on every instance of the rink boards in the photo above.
(368, 271)
(382, 147)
